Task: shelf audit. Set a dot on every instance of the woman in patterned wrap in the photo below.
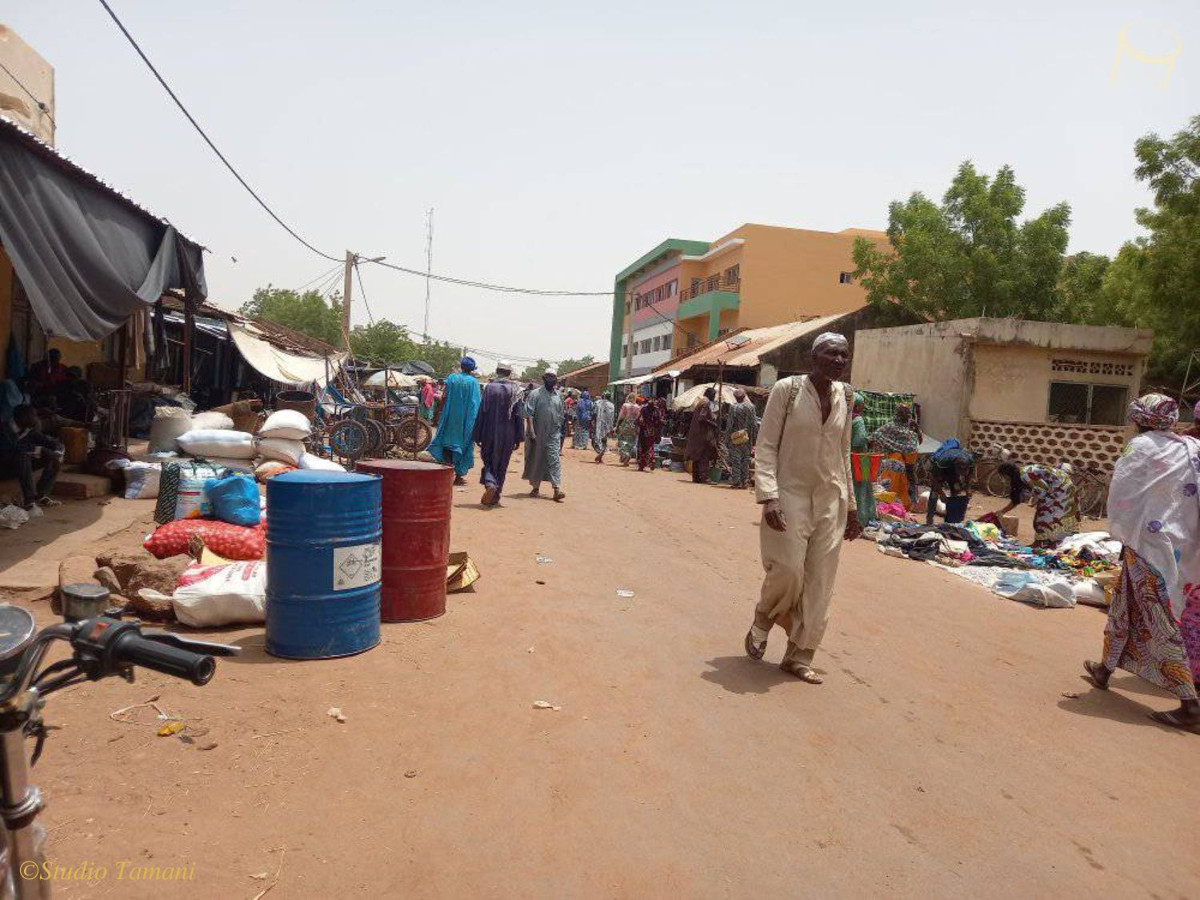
(1153, 625)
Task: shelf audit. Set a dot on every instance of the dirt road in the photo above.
(940, 758)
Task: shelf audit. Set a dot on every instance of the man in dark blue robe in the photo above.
(499, 428)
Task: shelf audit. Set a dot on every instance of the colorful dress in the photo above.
(650, 424)
(1153, 625)
(1056, 506)
(864, 489)
(898, 441)
(627, 430)
(742, 417)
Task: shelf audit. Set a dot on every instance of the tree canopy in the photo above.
(969, 255)
(534, 372)
(1154, 281)
(306, 312)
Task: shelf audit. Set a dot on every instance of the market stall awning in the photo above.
(281, 365)
(640, 379)
(87, 256)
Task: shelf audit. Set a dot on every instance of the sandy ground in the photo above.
(941, 758)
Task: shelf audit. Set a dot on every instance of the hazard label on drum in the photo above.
(355, 567)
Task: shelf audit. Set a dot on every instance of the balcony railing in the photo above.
(703, 286)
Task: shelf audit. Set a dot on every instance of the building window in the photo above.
(657, 344)
(627, 307)
(846, 278)
(1078, 403)
(673, 287)
(667, 341)
(732, 274)
(624, 350)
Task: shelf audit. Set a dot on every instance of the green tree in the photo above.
(1082, 297)
(1154, 281)
(534, 372)
(381, 343)
(307, 313)
(968, 256)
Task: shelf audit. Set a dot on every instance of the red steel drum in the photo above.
(417, 497)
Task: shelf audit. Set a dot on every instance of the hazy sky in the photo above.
(560, 141)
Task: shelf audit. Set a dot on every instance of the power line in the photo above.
(362, 290)
(482, 285)
(207, 139)
(324, 275)
(40, 105)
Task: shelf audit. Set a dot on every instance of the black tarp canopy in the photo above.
(87, 256)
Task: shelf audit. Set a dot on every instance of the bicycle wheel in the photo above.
(1091, 496)
(349, 439)
(997, 484)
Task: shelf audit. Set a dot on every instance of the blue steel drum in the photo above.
(323, 567)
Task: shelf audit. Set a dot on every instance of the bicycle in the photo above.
(1091, 490)
(101, 647)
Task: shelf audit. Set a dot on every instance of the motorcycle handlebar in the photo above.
(131, 647)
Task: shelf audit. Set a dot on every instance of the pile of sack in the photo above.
(278, 446)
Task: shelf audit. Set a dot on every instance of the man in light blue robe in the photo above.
(454, 443)
(544, 415)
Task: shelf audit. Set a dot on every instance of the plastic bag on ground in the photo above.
(142, 480)
(13, 517)
(187, 477)
(234, 498)
(217, 442)
(1050, 592)
(290, 424)
(229, 594)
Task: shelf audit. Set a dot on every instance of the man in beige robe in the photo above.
(803, 482)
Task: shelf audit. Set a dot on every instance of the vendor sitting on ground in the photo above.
(1052, 491)
(949, 469)
(23, 448)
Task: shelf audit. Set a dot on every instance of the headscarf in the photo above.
(1158, 412)
(898, 435)
(859, 401)
(467, 364)
(829, 337)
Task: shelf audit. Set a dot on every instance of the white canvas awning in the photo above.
(394, 377)
(281, 365)
(640, 379)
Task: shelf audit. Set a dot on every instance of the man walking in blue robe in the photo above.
(454, 443)
(499, 428)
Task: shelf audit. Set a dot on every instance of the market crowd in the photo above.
(822, 478)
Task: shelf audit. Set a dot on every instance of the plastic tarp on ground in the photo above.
(280, 365)
(88, 257)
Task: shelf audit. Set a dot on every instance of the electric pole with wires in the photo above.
(428, 267)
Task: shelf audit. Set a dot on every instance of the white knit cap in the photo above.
(550, 372)
(829, 337)
(504, 364)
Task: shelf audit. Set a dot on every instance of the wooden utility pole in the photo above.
(347, 286)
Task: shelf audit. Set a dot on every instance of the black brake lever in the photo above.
(175, 640)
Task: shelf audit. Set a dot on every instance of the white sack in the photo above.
(284, 450)
(290, 424)
(312, 461)
(230, 594)
(217, 442)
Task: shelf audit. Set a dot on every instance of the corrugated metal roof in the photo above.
(756, 342)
